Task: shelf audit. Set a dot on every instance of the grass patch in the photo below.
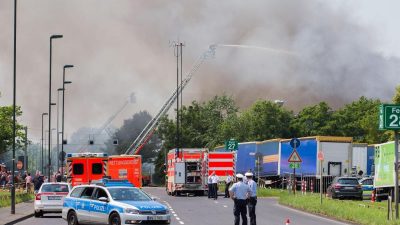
(361, 212)
(5, 198)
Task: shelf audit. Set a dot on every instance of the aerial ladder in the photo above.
(152, 125)
(106, 125)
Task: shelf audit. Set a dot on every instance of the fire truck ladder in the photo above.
(150, 128)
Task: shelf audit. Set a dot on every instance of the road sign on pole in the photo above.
(389, 117)
(295, 143)
(294, 165)
(231, 145)
(320, 156)
(294, 157)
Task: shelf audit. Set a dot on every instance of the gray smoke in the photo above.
(123, 46)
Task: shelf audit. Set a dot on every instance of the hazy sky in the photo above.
(344, 49)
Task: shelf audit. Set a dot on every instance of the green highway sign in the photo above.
(294, 165)
(389, 117)
(231, 145)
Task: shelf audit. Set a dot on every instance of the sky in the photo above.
(338, 50)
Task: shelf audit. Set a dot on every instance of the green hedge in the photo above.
(5, 198)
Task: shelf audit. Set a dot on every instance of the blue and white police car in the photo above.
(112, 202)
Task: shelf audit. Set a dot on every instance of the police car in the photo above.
(112, 202)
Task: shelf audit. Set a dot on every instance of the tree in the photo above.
(128, 133)
(313, 120)
(359, 120)
(266, 120)
(6, 128)
(396, 97)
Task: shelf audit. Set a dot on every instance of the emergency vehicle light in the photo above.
(106, 182)
(87, 154)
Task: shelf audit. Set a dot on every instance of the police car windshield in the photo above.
(128, 194)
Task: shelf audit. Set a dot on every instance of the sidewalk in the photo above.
(22, 211)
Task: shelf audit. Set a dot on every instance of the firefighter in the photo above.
(215, 180)
(228, 182)
(239, 192)
(209, 184)
(252, 202)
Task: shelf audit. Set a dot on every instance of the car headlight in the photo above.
(132, 211)
(167, 211)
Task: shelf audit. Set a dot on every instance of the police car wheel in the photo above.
(115, 219)
(72, 218)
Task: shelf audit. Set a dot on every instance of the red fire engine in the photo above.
(187, 172)
(127, 167)
(82, 168)
(222, 163)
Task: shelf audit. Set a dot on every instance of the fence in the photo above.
(305, 182)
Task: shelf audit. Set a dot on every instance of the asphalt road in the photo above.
(203, 211)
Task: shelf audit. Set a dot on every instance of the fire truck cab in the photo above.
(186, 173)
(128, 167)
(82, 168)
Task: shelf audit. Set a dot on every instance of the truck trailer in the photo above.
(359, 159)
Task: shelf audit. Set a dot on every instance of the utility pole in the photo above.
(26, 149)
(178, 50)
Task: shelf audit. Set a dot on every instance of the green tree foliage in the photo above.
(359, 120)
(396, 97)
(313, 120)
(128, 133)
(6, 128)
(265, 120)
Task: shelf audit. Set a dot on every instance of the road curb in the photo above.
(19, 219)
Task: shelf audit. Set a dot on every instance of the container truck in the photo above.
(246, 157)
(336, 151)
(384, 177)
(359, 159)
(268, 153)
(187, 172)
(370, 160)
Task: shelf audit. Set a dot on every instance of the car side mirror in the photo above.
(154, 198)
(103, 199)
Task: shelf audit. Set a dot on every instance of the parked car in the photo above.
(367, 183)
(49, 198)
(345, 187)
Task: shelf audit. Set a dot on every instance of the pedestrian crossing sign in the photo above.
(294, 157)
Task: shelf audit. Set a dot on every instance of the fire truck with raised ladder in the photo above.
(187, 172)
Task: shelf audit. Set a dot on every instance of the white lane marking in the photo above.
(310, 214)
(173, 212)
(181, 222)
(177, 218)
(216, 202)
(175, 215)
(225, 206)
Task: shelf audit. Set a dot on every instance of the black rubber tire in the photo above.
(38, 214)
(72, 218)
(115, 219)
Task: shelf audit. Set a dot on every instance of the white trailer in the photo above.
(360, 157)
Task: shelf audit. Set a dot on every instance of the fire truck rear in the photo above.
(222, 163)
(187, 172)
(82, 168)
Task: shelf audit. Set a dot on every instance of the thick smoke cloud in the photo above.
(122, 46)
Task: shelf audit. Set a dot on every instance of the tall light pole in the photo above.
(42, 161)
(14, 109)
(51, 42)
(58, 132)
(62, 119)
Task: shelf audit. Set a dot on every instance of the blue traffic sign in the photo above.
(295, 143)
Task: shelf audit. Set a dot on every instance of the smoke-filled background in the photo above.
(120, 47)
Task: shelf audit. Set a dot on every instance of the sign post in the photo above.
(389, 119)
(231, 145)
(294, 160)
(321, 159)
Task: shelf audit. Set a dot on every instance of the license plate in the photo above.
(54, 198)
(154, 218)
(348, 188)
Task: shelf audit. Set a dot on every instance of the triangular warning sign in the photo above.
(294, 157)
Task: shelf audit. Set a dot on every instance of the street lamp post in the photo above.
(42, 161)
(58, 133)
(51, 42)
(14, 109)
(62, 117)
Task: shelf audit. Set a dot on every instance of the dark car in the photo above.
(345, 187)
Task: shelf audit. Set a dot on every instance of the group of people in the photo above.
(244, 195)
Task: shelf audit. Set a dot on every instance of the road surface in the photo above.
(203, 211)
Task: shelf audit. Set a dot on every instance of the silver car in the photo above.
(50, 197)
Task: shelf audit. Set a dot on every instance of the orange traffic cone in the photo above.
(287, 222)
(373, 196)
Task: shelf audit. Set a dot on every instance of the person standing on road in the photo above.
(228, 182)
(253, 197)
(209, 184)
(239, 192)
(215, 180)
